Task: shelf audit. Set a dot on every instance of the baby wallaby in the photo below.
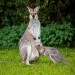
(53, 53)
(27, 42)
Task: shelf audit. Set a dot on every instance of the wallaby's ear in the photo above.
(37, 8)
(29, 9)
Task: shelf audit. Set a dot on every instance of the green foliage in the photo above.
(11, 64)
(57, 34)
(52, 35)
(15, 11)
(9, 36)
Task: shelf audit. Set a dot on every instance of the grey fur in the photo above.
(51, 52)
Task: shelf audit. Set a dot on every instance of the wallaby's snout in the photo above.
(33, 12)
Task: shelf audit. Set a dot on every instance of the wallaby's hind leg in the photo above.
(25, 53)
(28, 50)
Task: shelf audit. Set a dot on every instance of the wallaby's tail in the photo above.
(65, 62)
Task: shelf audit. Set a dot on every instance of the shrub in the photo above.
(15, 11)
(57, 34)
(52, 35)
(9, 36)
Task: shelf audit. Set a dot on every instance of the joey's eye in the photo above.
(34, 38)
(38, 37)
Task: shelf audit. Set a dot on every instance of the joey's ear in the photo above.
(37, 8)
(29, 9)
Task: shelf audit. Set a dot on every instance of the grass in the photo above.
(11, 64)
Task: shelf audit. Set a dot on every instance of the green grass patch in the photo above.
(11, 64)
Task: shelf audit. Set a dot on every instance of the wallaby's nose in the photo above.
(33, 16)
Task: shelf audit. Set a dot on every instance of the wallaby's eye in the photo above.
(35, 13)
(31, 13)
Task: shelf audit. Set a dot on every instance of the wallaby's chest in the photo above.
(36, 28)
(35, 24)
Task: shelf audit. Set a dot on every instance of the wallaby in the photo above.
(53, 53)
(30, 38)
